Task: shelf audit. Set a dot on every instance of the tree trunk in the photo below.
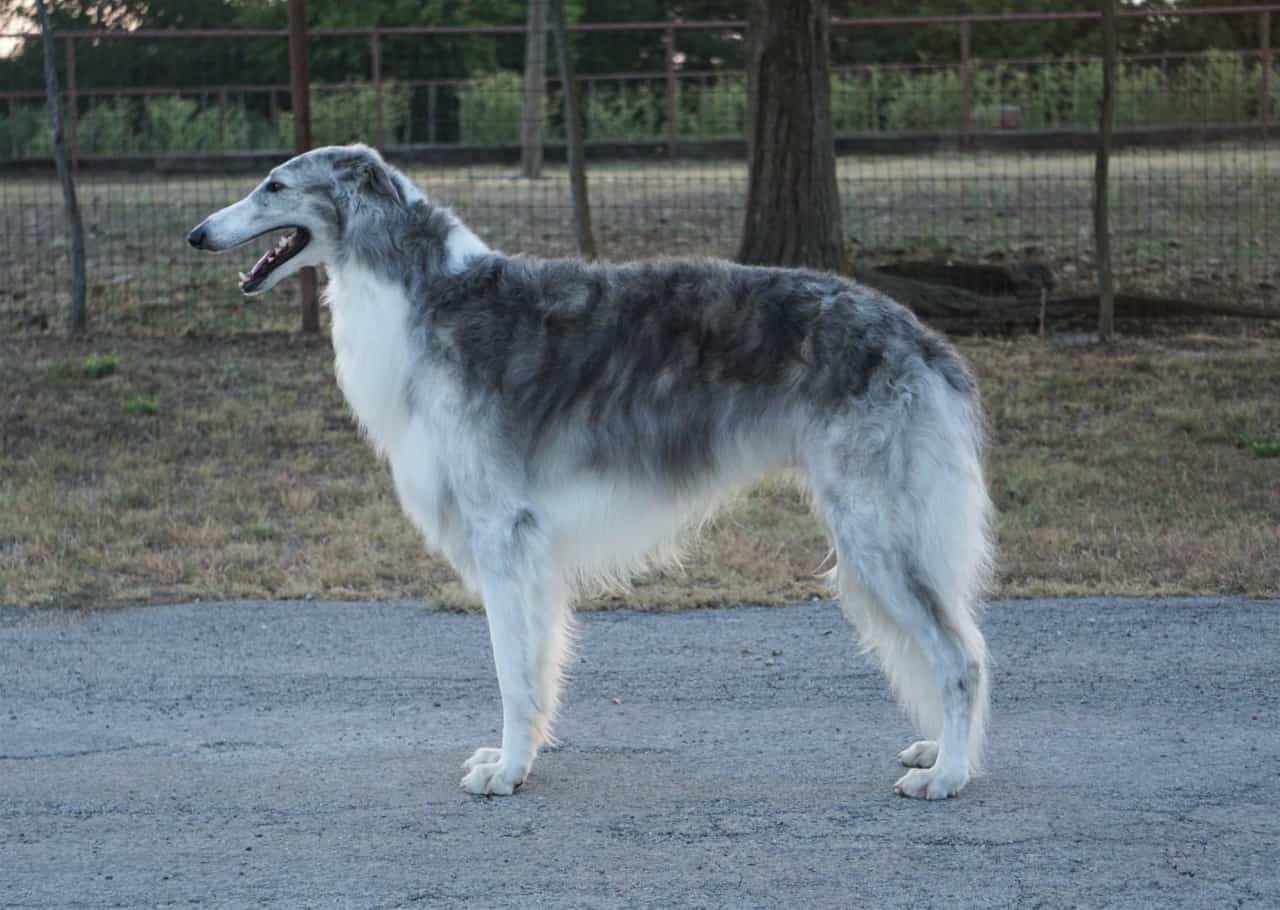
(535, 89)
(573, 136)
(793, 201)
(1101, 190)
(76, 317)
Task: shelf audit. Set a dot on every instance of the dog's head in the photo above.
(314, 198)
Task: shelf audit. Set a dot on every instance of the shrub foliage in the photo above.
(1216, 88)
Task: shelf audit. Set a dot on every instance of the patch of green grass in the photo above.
(97, 366)
(141, 407)
(1265, 448)
(1242, 426)
(261, 529)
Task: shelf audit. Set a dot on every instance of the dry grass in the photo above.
(228, 467)
(1145, 469)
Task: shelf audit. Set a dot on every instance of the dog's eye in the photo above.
(275, 186)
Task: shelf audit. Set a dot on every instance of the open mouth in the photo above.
(288, 246)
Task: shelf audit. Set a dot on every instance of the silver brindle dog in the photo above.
(549, 423)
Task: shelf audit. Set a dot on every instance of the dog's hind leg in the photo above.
(910, 534)
(937, 672)
(528, 614)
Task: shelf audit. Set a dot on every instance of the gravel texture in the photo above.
(308, 755)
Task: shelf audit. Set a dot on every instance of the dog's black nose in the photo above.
(196, 237)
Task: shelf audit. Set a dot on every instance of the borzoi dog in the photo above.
(550, 422)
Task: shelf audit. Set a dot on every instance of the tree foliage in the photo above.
(196, 63)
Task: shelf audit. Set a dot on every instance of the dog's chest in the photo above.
(372, 355)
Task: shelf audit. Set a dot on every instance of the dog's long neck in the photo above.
(460, 243)
(373, 316)
(408, 242)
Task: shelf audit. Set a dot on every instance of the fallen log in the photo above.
(958, 310)
(1017, 279)
(1145, 306)
(952, 309)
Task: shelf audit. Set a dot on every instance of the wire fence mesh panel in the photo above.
(977, 146)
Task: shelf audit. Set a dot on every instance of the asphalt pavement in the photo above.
(308, 755)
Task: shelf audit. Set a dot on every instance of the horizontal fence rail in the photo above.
(969, 152)
(973, 94)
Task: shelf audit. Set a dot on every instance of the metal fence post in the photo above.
(223, 100)
(431, 114)
(300, 86)
(57, 139)
(573, 140)
(73, 116)
(1101, 175)
(673, 88)
(375, 63)
(1265, 111)
(966, 84)
(532, 122)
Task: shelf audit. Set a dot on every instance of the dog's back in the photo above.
(681, 354)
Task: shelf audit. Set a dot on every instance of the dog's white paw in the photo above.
(919, 755)
(482, 757)
(933, 783)
(493, 778)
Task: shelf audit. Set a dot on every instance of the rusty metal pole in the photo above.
(1101, 177)
(673, 89)
(1265, 111)
(574, 144)
(300, 85)
(75, 227)
(73, 116)
(431, 114)
(535, 90)
(966, 83)
(375, 64)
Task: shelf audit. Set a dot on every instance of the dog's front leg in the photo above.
(500, 771)
(527, 615)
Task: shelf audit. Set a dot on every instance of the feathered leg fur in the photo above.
(911, 534)
(530, 631)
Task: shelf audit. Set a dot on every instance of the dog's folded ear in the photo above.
(369, 173)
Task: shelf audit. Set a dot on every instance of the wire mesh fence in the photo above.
(966, 155)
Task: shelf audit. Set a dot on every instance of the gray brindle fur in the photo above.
(549, 423)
